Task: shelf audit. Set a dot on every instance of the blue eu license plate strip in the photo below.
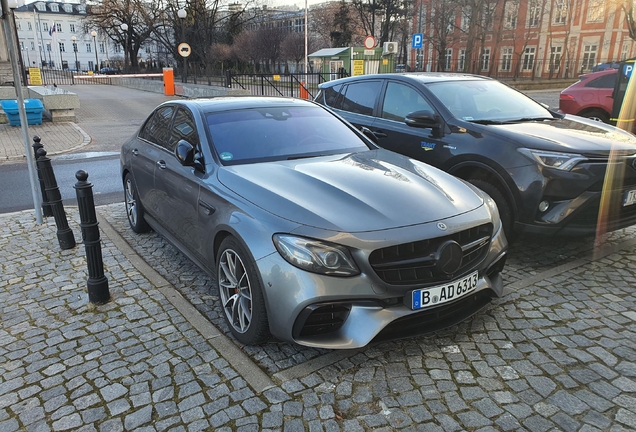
(435, 296)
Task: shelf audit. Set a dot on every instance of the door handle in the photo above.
(380, 134)
(161, 164)
(209, 209)
(135, 152)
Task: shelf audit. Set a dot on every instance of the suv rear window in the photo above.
(606, 81)
(360, 97)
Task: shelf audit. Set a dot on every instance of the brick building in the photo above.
(520, 38)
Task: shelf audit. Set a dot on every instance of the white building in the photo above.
(46, 30)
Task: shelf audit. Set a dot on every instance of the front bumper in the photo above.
(575, 199)
(350, 312)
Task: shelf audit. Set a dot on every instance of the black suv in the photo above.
(546, 171)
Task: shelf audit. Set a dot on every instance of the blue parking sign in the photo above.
(417, 40)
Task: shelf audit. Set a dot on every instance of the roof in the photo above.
(327, 52)
(54, 7)
(422, 77)
(224, 103)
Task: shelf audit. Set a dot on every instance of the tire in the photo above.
(597, 115)
(241, 293)
(505, 212)
(134, 209)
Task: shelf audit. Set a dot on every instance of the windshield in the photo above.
(479, 100)
(276, 133)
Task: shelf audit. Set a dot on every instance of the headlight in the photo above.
(560, 161)
(316, 256)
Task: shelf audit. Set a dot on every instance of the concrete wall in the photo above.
(186, 90)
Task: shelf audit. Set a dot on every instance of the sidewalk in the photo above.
(57, 138)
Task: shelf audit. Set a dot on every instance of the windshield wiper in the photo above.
(529, 119)
(487, 122)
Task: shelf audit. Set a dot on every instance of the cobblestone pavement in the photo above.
(58, 138)
(558, 352)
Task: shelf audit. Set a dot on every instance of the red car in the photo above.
(591, 96)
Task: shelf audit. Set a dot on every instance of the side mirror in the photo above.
(422, 119)
(185, 153)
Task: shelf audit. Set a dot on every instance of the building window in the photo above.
(461, 61)
(534, 13)
(511, 10)
(555, 58)
(48, 47)
(466, 13)
(450, 27)
(560, 11)
(88, 47)
(32, 46)
(528, 59)
(101, 48)
(72, 28)
(117, 49)
(625, 51)
(62, 49)
(29, 26)
(485, 59)
(589, 57)
(448, 59)
(596, 11)
(45, 26)
(59, 27)
(74, 46)
(488, 16)
(506, 59)
(21, 46)
(18, 25)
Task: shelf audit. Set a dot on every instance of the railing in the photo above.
(292, 85)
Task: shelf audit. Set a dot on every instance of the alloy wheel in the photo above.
(235, 290)
(131, 203)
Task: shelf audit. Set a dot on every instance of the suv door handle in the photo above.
(161, 164)
(380, 134)
(135, 152)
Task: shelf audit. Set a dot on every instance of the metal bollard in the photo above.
(97, 283)
(46, 207)
(64, 233)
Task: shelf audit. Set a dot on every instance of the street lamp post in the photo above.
(61, 56)
(74, 39)
(181, 13)
(124, 27)
(94, 34)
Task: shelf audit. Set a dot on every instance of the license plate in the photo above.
(435, 296)
(630, 198)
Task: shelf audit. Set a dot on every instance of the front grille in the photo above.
(321, 319)
(413, 263)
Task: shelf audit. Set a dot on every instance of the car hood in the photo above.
(571, 134)
(357, 192)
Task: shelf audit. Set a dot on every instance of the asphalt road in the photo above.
(103, 173)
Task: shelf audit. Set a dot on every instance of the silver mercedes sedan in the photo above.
(314, 234)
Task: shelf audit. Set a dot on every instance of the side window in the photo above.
(606, 82)
(360, 97)
(399, 100)
(183, 128)
(157, 129)
(332, 96)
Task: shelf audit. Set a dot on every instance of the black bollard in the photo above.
(46, 207)
(64, 233)
(97, 283)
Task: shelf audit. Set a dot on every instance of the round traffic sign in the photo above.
(369, 42)
(184, 49)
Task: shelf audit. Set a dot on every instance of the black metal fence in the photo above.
(513, 68)
(293, 85)
(54, 77)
